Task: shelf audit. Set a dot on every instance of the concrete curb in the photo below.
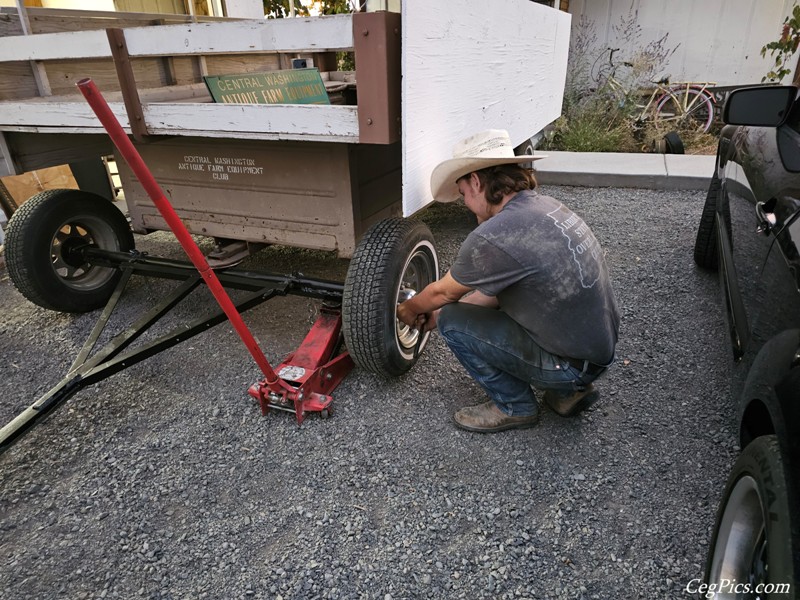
(621, 169)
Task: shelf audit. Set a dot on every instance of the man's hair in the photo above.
(502, 180)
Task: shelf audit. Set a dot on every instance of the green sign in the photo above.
(288, 86)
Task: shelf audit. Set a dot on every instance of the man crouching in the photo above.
(528, 301)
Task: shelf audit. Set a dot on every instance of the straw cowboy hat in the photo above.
(485, 149)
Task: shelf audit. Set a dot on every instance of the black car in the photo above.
(750, 233)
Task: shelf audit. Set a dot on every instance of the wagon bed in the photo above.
(321, 174)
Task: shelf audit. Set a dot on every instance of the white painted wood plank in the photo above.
(273, 35)
(255, 121)
(470, 65)
(52, 46)
(58, 113)
(284, 121)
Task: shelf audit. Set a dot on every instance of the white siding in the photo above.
(717, 40)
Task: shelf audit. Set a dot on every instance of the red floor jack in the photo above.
(304, 380)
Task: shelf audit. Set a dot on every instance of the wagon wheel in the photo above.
(42, 243)
(394, 257)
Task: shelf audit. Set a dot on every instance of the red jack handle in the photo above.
(137, 165)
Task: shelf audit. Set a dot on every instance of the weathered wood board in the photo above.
(469, 66)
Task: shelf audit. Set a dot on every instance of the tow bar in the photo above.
(304, 380)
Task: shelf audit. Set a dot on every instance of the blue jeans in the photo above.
(503, 358)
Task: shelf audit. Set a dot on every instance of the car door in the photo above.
(759, 233)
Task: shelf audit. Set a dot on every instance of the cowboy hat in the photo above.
(485, 149)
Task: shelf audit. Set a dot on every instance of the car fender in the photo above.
(770, 403)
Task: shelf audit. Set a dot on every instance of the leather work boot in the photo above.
(487, 418)
(566, 406)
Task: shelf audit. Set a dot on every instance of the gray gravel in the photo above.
(165, 482)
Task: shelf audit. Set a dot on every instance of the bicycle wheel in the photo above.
(686, 108)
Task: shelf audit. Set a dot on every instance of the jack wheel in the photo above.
(325, 413)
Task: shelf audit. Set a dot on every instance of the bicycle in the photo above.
(682, 105)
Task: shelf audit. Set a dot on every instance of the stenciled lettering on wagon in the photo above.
(221, 168)
(289, 86)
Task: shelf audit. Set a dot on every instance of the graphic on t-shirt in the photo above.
(582, 243)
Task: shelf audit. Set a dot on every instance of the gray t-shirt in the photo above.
(548, 272)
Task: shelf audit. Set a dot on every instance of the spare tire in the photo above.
(395, 256)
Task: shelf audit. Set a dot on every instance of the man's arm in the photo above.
(435, 295)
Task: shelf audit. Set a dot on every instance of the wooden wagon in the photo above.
(339, 176)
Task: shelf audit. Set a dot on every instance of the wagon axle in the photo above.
(305, 380)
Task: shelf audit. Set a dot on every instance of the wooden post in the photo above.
(39, 73)
(201, 60)
(127, 82)
(376, 40)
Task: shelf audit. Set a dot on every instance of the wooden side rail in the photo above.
(240, 46)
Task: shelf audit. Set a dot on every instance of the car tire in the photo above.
(394, 256)
(706, 252)
(40, 242)
(752, 540)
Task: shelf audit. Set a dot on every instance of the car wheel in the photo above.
(41, 243)
(752, 541)
(395, 257)
(705, 245)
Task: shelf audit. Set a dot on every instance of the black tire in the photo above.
(706, 252)
(674, 143)
(40, 242)
(393, 255)
(752, 540)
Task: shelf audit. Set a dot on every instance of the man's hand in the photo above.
(407, 315)
(427, 302)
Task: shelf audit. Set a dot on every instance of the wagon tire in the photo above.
(41, 243)
(752, 539)
(706, 252)
(395, 255)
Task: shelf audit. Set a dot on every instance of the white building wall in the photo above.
(717, 40)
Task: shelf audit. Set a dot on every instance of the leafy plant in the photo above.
(279, 9)
(784, 48)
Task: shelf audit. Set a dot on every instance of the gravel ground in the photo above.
(165, 482)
